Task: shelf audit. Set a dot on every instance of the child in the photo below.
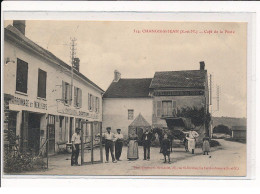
(206, 145)
(166, 148)
(185, 141)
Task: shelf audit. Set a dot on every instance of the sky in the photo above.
(105, 46)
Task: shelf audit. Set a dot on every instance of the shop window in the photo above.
(77, 97)
(66, 93)
(21, 76)
(130, 114)
(42, 75)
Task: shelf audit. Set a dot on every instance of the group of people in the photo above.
(114, 144)
(190, 142)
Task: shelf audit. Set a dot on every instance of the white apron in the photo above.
(191, 140)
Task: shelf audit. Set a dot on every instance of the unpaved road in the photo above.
(229, 159)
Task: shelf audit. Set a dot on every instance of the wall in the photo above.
(115, 112)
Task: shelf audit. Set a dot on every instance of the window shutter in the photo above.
(98, 104)
(80, 98)
(174, 110)
(93, 103)
(63, 91)
(88, 101)
(70, 94)
(159, 107)
(75, 96)
(154, 108)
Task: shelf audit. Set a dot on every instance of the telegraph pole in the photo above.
(72, 55)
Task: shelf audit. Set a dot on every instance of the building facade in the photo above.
(124, 100)
(43, 103)
(169, 94)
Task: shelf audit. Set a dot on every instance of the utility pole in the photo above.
(218, 91)
(72, 56)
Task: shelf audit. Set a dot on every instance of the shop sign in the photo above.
(28, 103)
(75, 112)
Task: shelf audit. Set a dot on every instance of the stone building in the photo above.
(42, 99)
(163, 96)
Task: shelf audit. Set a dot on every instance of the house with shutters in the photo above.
(124, 100)
(159, 98)
(39, 96)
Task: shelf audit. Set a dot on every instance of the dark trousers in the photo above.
(146, 145)
(75, 155)
(109, 145)
(118, 149)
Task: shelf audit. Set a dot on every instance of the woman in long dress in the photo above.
(132, 152)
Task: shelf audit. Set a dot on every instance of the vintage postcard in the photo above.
(128, 98)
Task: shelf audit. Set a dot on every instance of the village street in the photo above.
(229, 159)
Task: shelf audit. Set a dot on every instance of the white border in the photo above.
(115, 10)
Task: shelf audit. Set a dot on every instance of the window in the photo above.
(130, 114)
(21, 76)
(66, 93)
(77, 97)
(168, 108)
(42, 75)
(97, 104)
(90, 102)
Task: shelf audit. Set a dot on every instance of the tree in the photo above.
(222, 129)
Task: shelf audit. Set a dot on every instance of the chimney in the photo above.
(117, 76)
(19, 25)
(202, 65)
(76, 64)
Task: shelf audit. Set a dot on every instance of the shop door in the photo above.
(34, 133)
(51, 134)
(24, 131)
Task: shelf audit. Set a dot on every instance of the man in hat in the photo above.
(119, 138)
(76, 141)
(147, 138)
(109, 144)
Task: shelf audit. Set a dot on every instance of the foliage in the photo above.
(20, 162)
(17, 161)
(197, 115)
(222, 129)
(214, 143)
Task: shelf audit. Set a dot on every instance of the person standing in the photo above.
(166, 145)
(109, 144)
(119, 138)
(76, 141)
(206, 145)
(146, 141)
(192, 140)
(132, 151)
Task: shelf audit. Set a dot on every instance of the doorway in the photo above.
(71, 129)
(34, 121)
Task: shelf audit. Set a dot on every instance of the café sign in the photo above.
(75, 112)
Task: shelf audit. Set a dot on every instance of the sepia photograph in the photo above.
(124, 98)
